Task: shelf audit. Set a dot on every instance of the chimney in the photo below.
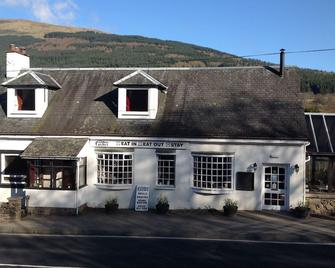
(282, 62)
(16, 61)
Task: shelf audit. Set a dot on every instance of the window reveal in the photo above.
(52, 174)
(115, 168)
(166, 169)
(213, 172)
(25, 99)
(137, 100)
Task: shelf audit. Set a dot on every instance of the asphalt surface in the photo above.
(261, 226)
(91, 251)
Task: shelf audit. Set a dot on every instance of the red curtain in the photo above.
(19, 101)
(128, 104)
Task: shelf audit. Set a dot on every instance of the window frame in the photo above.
(214, 190)
(53, 180)
(163, 186)
(151, 113)
(115, 186)
(4, 176)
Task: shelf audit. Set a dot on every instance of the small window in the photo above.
(137, 100)
(166, 169)
(14, 168)
(25, 99)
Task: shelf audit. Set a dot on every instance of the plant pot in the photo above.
(301, 213)
(229, 211)
(111, 208)
(162, 208)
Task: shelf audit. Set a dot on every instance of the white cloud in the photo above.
(60, 11)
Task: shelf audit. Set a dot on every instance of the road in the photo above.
(109, 251)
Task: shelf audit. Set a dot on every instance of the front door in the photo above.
(275, 187)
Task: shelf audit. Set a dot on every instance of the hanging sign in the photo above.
(142, 198)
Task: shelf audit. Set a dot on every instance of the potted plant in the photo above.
(302, 210)
(111, 205)
(230, 207)
(162, 206)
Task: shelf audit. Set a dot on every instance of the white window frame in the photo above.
(214, 190)
(163, 186)
(4, 178)
(111, 185)
(152, 104)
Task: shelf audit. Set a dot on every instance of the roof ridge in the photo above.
(151, 68)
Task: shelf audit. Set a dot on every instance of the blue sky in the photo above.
(240, 27)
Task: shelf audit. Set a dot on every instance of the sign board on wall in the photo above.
(140, 144)
(142, 198)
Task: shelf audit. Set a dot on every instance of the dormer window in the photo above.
(27, 94)
(138, 96)
(25, 99)
(137, 100)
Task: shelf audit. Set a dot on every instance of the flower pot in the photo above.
(111, 208)
(162, 208)
(229, 211)
(301, 213)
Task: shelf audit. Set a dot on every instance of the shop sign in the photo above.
(141, 144)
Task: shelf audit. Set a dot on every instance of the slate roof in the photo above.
(321, 132)
(32, 79)
(54, 147)
(247, 102)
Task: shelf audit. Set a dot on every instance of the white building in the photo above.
(198, 136)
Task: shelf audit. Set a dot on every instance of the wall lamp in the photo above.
(254, 166)
(296, 168)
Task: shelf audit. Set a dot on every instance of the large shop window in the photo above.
(115, 168)
(166, 169)
(25, 99)
(213, 172)
(14, 168)
(52, 174)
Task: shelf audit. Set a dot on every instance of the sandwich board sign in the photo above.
(142, 198)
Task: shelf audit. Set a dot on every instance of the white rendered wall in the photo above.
(183, 196)
(15, 63)
(51, 198)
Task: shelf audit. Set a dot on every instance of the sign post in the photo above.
(142, 198)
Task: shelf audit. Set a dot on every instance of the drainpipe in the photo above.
(304, 171)
(77, 187)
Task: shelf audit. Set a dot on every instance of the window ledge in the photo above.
(165, 187)
(113, 187)
(211, 191)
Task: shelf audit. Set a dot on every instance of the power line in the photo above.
(288, 52)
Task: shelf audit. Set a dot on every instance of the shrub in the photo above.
(111, 205)
(230, 207)
(302, 210)
(162, 206)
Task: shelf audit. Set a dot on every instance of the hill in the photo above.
(59, 46)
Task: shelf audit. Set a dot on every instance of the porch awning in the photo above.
(51, 148)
